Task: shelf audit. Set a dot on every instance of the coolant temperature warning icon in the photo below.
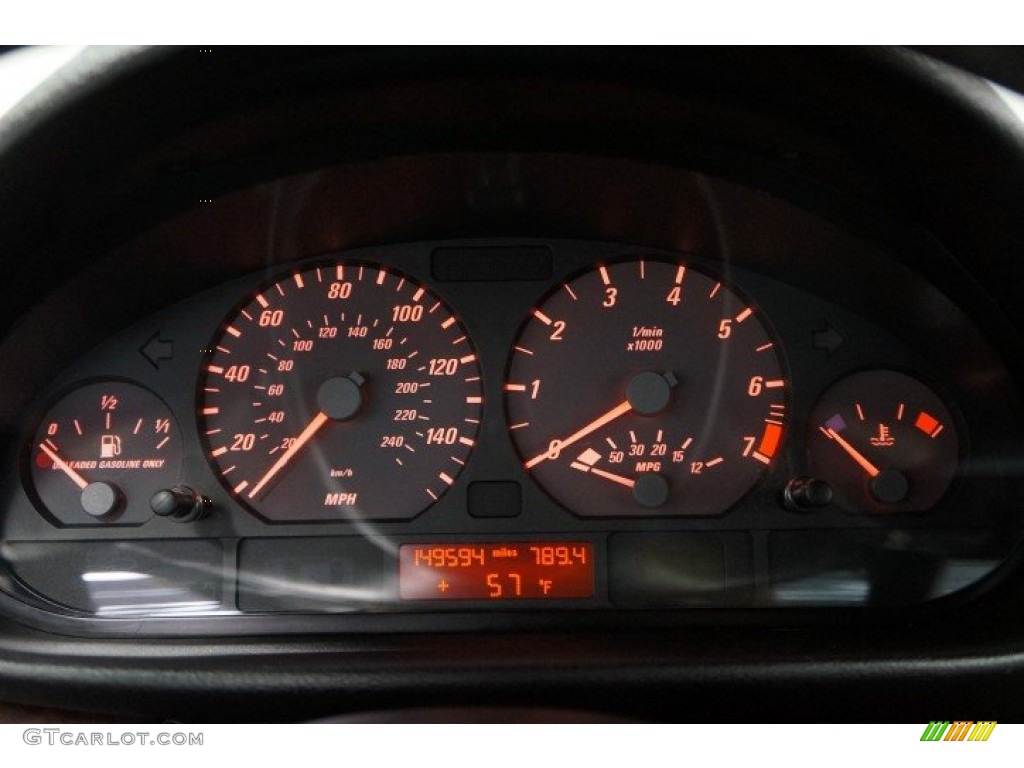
(883, 439)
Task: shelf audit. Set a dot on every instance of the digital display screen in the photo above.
(496, 570)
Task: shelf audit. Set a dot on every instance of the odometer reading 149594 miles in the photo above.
(342, 392)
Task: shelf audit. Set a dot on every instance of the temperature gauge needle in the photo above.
(307, 434)
(556, 446)
(62, 465)
(856, 455)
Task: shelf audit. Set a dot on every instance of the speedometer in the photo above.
(342, 392)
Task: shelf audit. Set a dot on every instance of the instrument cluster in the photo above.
(480, 430)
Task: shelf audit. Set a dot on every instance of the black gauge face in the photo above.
(343, 392)
(884, 442)
(101, 453)
(646, 388)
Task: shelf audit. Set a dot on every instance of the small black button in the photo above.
(495, 498)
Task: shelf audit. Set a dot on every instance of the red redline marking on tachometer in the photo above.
(603, 271)
(542, 317)
(770, 440)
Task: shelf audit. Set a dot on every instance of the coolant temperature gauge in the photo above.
(884, 443)
(101, 453)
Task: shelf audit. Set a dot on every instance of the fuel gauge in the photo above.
(101, 453)
(884, 442)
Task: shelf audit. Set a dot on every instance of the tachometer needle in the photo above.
(556, 446)
(307, 434)
(856, 455)
(62, 465)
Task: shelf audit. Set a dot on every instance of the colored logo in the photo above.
(958, 731)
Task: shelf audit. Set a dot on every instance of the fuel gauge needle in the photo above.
(307, 434)
(856, 455)
(62, 465)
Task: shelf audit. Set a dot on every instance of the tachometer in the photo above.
(646, 388)
(342, 392)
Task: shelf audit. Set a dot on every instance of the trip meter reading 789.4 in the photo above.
(645, 388)
(342, 392)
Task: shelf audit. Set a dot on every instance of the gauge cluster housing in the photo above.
(859, 253)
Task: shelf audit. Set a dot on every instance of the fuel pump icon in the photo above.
(110, 446)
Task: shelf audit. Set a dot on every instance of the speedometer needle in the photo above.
(556, 446)
(856, 455)
(62, 465)
(307, 434)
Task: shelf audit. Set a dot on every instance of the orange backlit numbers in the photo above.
(674, 296)
(52, 429)
(275, 417)
(407, 313)
(407, 387)
(275, 390)
(610, 294)
(396, 364)
(443, 366)
(383, 343)
(243, 442)
(271, 318)
(513, 580)
(302, 345)
(559, 555)
(559, 326)
(449, 557)
(755, 386)
(328, 332)
(392, 441)
(108, 403)
(405, 414)
(442, 435)
(339, 291)
(237, 373)
(358, 332)
(725, 329)
(534, 389)
(285, 365)
(748, 444)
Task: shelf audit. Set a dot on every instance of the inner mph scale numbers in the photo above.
(342, 392)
